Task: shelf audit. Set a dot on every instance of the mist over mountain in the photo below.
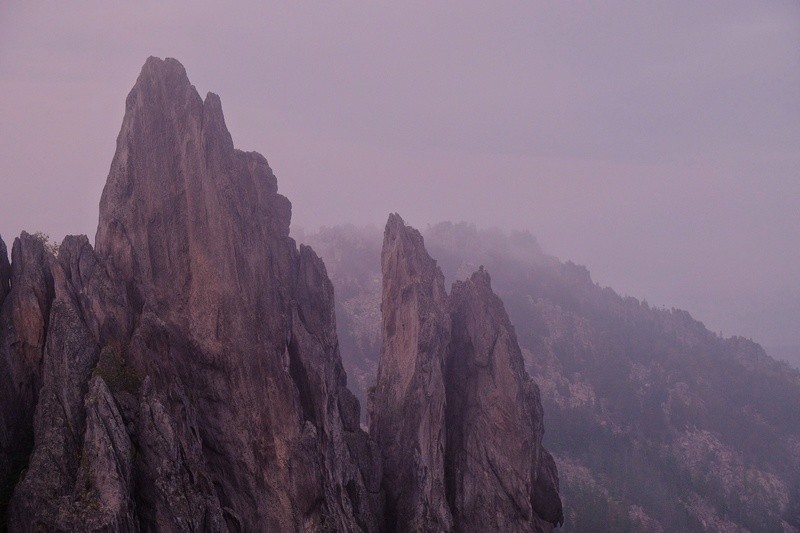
(790, 354)
(655, 143)
(185, 373)
(655, 422)
(622, 354)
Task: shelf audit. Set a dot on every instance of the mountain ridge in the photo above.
(629, 391)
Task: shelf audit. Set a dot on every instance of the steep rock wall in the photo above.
(200, 336)
(458, 419)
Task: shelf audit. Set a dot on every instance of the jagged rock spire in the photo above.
(409, 399)
(186, 375)
(204, 337)
(452, 385)
(494, 417)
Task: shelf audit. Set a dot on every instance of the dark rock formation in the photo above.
(182, 495)
(80, 474)
(494, 420)
(191, 378)
(408, 408)
(545, 498)
(23, 328)
(5, 271)
(353, 261)
(655, 423)
(458, 419)
(185, 375)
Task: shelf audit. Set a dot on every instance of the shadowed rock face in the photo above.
(458, 419)
(27, 287)
(494, 419)
(191, 377)
(5, 271)
(198, 234)
(408, 406)
(186, 375)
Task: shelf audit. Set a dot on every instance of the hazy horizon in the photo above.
(657, 145)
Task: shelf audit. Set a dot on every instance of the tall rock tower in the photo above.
(457, 417)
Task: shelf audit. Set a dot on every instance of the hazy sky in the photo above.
(656, 143)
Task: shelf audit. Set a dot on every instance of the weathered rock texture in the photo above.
(494, 420)
(28, 294)
(5, 271)
(408, 411)
(458, 419)
(655, 423)
(186, 375)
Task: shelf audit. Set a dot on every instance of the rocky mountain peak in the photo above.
(408, 404)
(404, 249)
(481, 278)
(185, 375)
(499, 475)
(458, 419)
(197, 334)
(186, 219)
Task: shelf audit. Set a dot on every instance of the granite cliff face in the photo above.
(499, 474)
(457, 417)
(26, 295)
(185, 375)
(245, 318)
(407, 412)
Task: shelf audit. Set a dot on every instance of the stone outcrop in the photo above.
(49, 497)
(24, 316)
(245, 317)
(494, 420)
(408, 406)
(458, 419)
(5, 271)
(545, 497)
(185, 375)
(644, 404)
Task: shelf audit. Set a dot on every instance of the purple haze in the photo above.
(657, 144)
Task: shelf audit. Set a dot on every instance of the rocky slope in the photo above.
(185, 375)
(655, 423)
(457, 417)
